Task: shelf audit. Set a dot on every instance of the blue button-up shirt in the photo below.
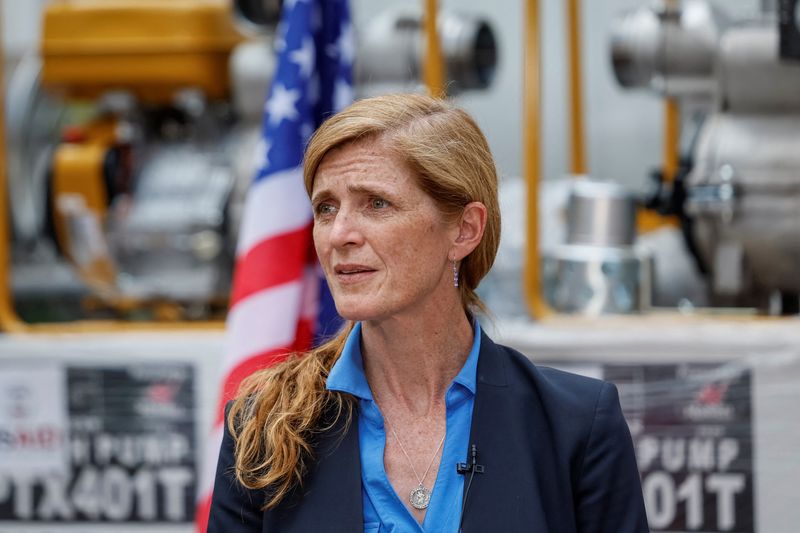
(384, 511)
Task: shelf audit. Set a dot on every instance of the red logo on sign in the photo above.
(162, 393)
(712, 394)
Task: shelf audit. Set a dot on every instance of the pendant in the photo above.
(420, 497)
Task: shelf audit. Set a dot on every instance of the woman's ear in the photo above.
(470, 230)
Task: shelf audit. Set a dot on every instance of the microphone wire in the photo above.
(466, 495)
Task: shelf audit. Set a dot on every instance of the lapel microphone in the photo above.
(468, 468)
(472, 466)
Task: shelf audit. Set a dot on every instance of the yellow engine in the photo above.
(151, 48)
(144, 149)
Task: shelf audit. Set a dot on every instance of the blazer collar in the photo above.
(491, 365)
(508, 431)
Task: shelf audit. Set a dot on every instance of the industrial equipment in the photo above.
(120, 194)
(599, 269)
(131, 142)
(739, 194)
(393, 44)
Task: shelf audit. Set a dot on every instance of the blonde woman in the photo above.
(412, 419)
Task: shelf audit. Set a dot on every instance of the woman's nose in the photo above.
(345, 229)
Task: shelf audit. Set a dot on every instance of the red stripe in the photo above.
(304, 335)
(243, 369)
(312, 253)
(273, 261)
(201, 513)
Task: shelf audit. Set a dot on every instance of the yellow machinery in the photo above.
(152, 51)
(150, 48)
(143, 125)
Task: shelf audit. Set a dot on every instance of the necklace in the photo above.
(420, 497)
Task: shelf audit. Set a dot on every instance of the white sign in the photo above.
(33, 421)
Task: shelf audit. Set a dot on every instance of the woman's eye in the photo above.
(324, 209)
(378, 203)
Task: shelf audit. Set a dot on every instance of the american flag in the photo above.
(279, 301)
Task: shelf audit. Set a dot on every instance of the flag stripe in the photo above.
(274, 204)
(203, 507)
(271, 262)
(209, 472)
(304, 333)
(244, 369)
(249, 330)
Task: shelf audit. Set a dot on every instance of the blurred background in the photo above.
(649, 154)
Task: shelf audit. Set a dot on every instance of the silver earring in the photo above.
(455, 273)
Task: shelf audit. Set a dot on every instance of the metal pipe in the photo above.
(9, 321)
(393, 49)
(434, 64)
(578, 162)
(672, 51)
(531, 148)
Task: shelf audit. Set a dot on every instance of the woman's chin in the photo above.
(358, 310)
(356, 314)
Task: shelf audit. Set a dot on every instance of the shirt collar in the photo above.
(468, 375)
(347, 374)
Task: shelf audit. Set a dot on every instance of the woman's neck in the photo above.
(411, 360)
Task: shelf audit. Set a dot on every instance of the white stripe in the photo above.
(262, 321)
(209, 467)
(274, 205)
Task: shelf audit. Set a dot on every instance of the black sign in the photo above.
(691, 425)
(131, 450)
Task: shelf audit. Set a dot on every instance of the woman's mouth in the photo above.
(348, 273)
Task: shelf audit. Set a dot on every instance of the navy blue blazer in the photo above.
(556, 451)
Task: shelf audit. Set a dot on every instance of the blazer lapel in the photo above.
(505, 497)
(331, 500)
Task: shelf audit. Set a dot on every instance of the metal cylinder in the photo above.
(752, 78)
(392, 50)
(671, 51)
(598, 270)
(251, 67)
(744, 192)
(597, 280)
(601, 214)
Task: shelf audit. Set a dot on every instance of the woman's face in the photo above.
(381, 240)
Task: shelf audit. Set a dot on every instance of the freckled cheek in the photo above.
(413, 261)
(320, 238)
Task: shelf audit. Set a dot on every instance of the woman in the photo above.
(365, 433)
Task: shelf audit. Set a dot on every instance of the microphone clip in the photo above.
(472, 466)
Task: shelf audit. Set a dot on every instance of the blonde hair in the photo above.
(280, 409)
